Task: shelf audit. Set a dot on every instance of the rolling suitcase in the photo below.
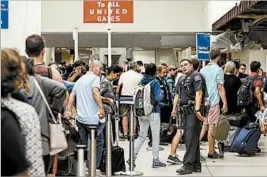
(246, 140)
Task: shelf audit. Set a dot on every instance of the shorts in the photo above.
(213, 115)
(125, 109)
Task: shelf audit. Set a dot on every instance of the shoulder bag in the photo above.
(58, 141)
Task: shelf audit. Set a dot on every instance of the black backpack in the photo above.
(245, 97)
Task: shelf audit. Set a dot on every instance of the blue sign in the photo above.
(203, 43)
(4, 14)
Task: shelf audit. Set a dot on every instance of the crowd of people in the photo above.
(195, 96)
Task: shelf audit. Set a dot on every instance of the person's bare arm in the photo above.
(73, 77)
(70, 104)
(259, 95)
(25, 173)
(118, 89)
(175, 103)
(198, 101)
(56, 75)
(222, 94)
(98, 100)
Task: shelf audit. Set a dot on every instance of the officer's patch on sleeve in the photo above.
(197, 78)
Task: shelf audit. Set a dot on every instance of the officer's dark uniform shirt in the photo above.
(187, 87)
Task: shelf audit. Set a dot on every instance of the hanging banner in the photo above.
(203, 43)
(4, 14)
(97, 11)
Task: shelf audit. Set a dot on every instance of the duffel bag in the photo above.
(238, 119)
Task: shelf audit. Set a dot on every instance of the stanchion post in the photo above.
(92, 151)
(108, 144)
(117, 123)
(131, 171)
(131, 149)
(80, 164)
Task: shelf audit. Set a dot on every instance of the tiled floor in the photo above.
(231, 165)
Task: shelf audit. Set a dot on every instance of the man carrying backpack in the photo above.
(151, 112)
(256, 98)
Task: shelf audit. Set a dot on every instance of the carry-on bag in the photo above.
(167, 132)
(246, 140)
(117, 157)
(231, 136)
(238, 120)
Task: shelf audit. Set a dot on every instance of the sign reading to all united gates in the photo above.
(203, 44)
(4, 14)
(97, 11)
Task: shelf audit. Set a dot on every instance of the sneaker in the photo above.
(215, 155)
(174, 160)
(128, 162)
(123, 137)
(157, 164)
(257, 150)
(202, 158)
(150, 143)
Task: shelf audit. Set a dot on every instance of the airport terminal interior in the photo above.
(97, 88)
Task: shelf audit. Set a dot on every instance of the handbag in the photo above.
(58, 141)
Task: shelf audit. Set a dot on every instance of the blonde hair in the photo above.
(230, 67)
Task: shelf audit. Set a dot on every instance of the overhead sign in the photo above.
(4, 14)
(203, 43)
(97, 11)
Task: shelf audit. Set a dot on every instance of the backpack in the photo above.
(245, 93)
(221, 128)
(43, 70)
(143, 100)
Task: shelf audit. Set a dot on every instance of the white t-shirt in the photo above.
(129, 81)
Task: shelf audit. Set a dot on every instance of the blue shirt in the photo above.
(87, 107)
(213, 75)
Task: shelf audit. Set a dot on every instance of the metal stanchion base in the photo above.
(132, 173)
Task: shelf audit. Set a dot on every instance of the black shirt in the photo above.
(13, 155)
(242, 76)
(188, 86)
(231, 84)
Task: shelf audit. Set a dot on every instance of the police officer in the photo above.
(189, 94)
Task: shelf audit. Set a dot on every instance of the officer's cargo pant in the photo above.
(192, 128)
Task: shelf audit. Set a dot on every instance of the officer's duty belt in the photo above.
(187, 109)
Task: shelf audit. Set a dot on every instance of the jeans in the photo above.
(154, 121)
(84, 132)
